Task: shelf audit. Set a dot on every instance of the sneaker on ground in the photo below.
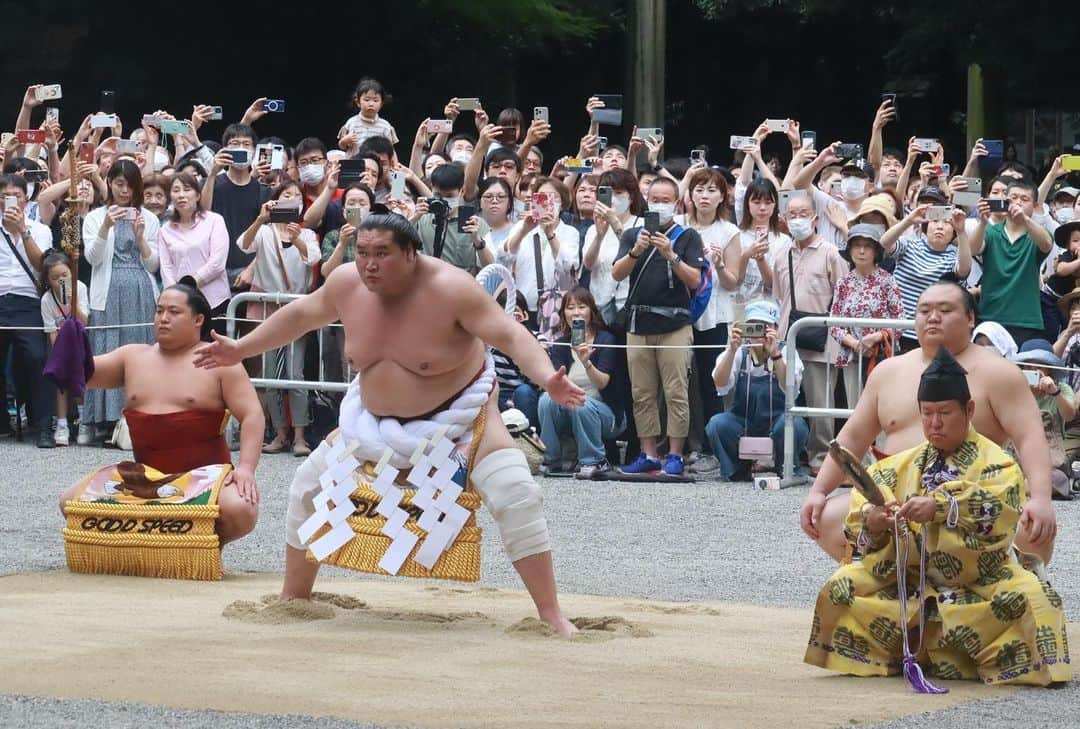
(45, 438)
(86, 434)
(548, 469)
(591, 470)
(62, 436)
(673, 465)
(705, 463)
(642, 464)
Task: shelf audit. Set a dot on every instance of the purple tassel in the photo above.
(914, 674)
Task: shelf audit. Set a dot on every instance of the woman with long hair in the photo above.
(594, 367)
(750, 255)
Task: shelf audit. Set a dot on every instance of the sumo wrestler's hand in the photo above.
(243, 478)
(563, 391)
(1039, 522)
(218, 352)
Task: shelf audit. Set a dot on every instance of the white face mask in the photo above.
(1065, 215)
(852, 188)
(620, 203)
(453, 202)
(519, 207)
(801, 228)
(311, 174)
(461, 157)
(666, 211)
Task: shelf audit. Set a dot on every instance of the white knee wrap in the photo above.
(511, 495)
(304, 486)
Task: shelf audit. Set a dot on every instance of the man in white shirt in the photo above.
(20, 305)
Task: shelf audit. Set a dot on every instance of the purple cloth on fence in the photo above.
(71, 361)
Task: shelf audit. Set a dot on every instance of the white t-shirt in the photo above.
(753, 285)
(719, 310)
(52, 315)
(604, 288)
(557, 270)
(268, 275)
(743, 361)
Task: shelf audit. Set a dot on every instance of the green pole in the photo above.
(976, 111)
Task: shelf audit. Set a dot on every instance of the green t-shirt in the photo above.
(1010, 281)
(458, 247)
(329, 243)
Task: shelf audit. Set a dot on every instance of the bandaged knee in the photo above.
(511, 495)
(305, 485)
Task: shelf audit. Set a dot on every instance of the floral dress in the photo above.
(876, 296)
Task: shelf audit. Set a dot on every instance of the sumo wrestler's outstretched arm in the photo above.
(285, 325)
(481, 316)
(241, 400)
(857, 435)
(109, 369)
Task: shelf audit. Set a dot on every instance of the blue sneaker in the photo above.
(642, 464)
(673, 465)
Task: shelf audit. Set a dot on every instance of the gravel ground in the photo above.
(680, 542)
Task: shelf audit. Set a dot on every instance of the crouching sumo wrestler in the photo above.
(415, 331)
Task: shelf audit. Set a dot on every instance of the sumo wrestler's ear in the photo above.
(971, 408)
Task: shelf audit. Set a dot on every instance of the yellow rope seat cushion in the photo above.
(116, 524)
(460, 561)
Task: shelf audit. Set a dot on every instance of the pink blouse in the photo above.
(874, 297)
(198, 251)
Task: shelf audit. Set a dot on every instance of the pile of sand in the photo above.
(411, 653)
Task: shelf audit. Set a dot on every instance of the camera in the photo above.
(998, 205)
(274, 105)
(767, 483)
(754, 329)
(439, 208)
(215, 113)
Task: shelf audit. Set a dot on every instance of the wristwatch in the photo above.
(479, 246)
(775, 357)
(631, 254)
(676, 260)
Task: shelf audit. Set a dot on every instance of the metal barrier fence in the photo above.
(791, 411)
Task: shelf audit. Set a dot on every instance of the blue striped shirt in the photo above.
(917, 267)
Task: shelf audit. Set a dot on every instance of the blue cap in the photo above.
(764, 310)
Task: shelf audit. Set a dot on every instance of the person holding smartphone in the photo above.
(750, 255)
(284, 256)
(622, 213)
(594, 367)
(122, 247)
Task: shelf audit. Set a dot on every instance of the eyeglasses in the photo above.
(312, 161)
(494, 198)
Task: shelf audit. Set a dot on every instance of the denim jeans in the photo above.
(591, 424)
(725, 429)
(523, 398)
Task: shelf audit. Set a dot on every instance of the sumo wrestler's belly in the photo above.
(395, 391)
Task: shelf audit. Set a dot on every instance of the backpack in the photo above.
(699, 297)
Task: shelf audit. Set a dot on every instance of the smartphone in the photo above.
(998, 204)
(152, 120)
(52, 115)
(274, 105)
(971, 196)
(470, 103)
(543, 203)
(354, 216)
(891, 98)
(36, 175)
(601, 144)
(30, 136)
(127, 146)
(611, 113)
(238, 156)
(941, 170)
(738, 141)
(578, 166)
(577, 332)
(349, 171)
(809, 139)
(603, 195)
(995, 148)
(5, 139)
(754, 329)
(175, 126)
(10, 201)
(697, 155)
(540, 113)
(786, 196)
(277, 157)
(925, 144)
(1071, 163)
(654, 132)
(397, 185)
(652, 222)
(834, 188)
(87, 152)
(215, 113)
(102, 121)
(49, 92)
(464, 212)
(129, 213)
(850, 151)
(939, 212)
(286, 211)
(1032, 377)
(777, 125)
(440, 126)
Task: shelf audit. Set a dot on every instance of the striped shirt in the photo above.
(507, 373)
(917, 267)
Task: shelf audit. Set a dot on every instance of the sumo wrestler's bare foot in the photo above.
(539, 577)
(299, 575)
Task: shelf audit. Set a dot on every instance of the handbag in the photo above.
(811, 338)
(548, 300)
(121, 437)
(754, 447)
